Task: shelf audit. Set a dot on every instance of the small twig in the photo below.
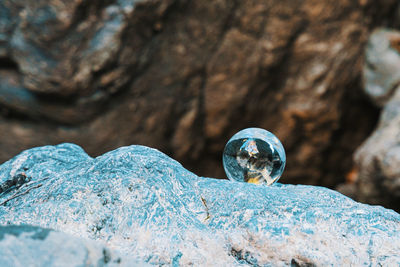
(20, 194)
(17, 194)
(32, 182)
(205, 205)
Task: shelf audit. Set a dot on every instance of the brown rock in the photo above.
(184, 76)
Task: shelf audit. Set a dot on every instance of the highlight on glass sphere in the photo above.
(254, 155)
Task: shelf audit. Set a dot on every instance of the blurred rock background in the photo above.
(184, 76)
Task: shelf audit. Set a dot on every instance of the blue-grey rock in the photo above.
(381, 70)
(144, 204)
(24, 245)
(378, 158)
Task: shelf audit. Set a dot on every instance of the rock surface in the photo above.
(378, 159)
(24, 245)
(381, 70)
(184, 76)
(145, 204)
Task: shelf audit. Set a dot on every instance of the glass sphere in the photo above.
(254, 155)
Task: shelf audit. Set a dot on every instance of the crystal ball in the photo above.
(254, 155)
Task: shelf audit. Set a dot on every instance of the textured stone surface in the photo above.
(184, 76)
(381, 70)
(145, 204)
(24, 245)
(378, 159)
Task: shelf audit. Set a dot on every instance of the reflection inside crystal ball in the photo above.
(254, 155)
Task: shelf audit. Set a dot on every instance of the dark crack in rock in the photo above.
(14, 183)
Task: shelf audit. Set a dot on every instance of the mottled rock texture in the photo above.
(144, 204)
(25, 245)
(378, 159)
(381, 68)
(184, 76)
